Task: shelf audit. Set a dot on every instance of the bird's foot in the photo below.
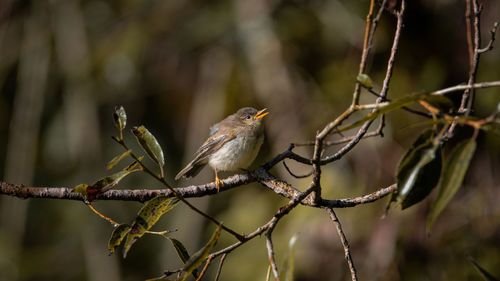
(218, 183)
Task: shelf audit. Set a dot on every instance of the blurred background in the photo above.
(180, 66)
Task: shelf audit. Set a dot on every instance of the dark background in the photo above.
(180, 66)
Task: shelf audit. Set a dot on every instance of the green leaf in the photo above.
(182, 253)
(418, 171)
(120, 117)
(485, 274)
(180, 249)
(117, 237)
(422, 139)
(197, 258)
(365, 80)
(452, 179)
(117, 159)
(149, 214)
(149, 144)
(395, 104)
(289, 265)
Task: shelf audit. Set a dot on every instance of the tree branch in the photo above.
(345, 244)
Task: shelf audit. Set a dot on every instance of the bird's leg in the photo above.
(218, 182)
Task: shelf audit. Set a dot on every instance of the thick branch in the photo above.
(139, 195)
(142, 195)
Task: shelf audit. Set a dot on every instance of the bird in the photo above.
(232, 144)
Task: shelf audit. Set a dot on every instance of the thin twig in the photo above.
(464, 87)
(270, 224)
(270, 254)
(209, 260)
(362, 131)
(468, 26)
(345, 244)
(294, 175)
(390, 62)
(468, 95)
(339, 141)
(219, 269)
(114, 223)
(371, 26)
(489, 47)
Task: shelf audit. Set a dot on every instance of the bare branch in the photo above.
(345, 244)
(204, 270)
(468, 95)
(219, 269)
(489, 47)
(390, 63)
(270, 254)
(294, 175)
(468, 26)
(339, 141)
(369, 198)
(468, 86)
(394, 49)
(371, 26)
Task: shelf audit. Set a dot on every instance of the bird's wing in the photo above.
(211, 145)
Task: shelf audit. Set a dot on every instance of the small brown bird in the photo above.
(233, 144)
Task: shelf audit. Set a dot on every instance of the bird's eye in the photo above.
(248, 117)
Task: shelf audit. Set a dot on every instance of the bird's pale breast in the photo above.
(237, 153)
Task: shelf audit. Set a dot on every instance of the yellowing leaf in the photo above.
(452, 179)
(132, 166)
(117, 159)
(117, 237)
(81, 188)
(108, 182)
(149, 214)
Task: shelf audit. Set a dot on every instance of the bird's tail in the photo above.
(191, 170)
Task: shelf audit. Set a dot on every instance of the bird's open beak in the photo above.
(261, 114)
